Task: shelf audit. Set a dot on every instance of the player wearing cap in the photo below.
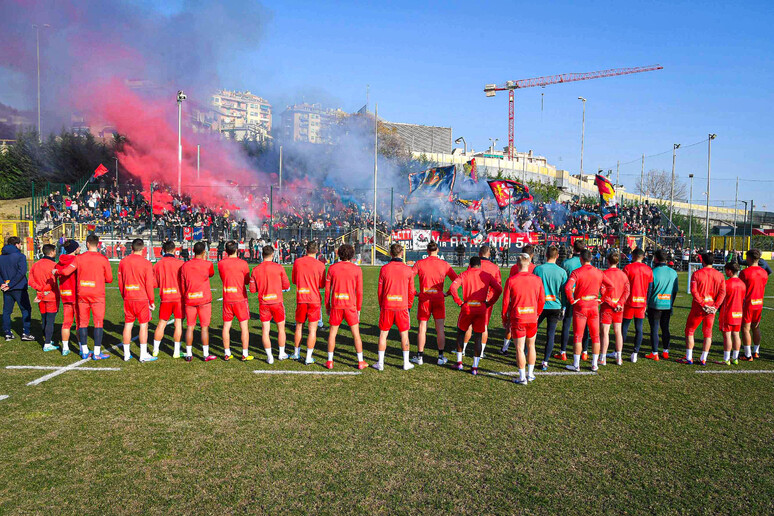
(92, 271)
(708, 290)
(523, 301)
(395, 294)
(269, 280)
(480, 291)
(135, 283)
(197, 296)
(755, 278)
(582, 291)
(308, 275)
(661, 300)
(731, 312)
(343, 301)
(166, 273)
(529, 251)
(235, 275)
(67, 289)
(432, 272)
(43, 281)
(640, 277)
(615, 292)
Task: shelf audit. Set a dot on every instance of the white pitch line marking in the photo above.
(338, 373)
(741, 371)
(4, 397)
(59, 370)
(541, 373)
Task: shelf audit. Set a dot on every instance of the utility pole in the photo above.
(709, 168)
(736, 203)
(617, 173)
(198, 156)
(583, 135)
(280, 168)
(376, 152)
(642, 177)
(672, 187)
(37, 49)
(180, 98)
(690, 211)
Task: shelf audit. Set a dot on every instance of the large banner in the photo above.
(417, 239)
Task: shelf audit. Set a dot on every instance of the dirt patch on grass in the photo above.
(10, 209)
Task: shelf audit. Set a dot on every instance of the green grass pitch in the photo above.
(214, 438)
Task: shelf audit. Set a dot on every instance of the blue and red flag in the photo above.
(435, 180)
(507, 191)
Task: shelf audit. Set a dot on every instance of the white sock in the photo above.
(459, 356)
(156, 344)
(576, 361)
(282, 350)
(594, 360)
(618, 355)
(506, 343)
(65, 345)
(127, 352)
(405, 358)
(747, 351)
(522, 375)
(483, 347)
(309, 353)
(268, 353)
(227, 352)
(530, 369)
(475, 361)
(726, 356)
(245, 351)
(143, 350)
(360, 357)
(757, 348)
(735, 354)
(296, 351)
(177, 348)
(85, 349)
(330, 356)
(381, 357)
(189, 351)
(464, 347)
(97, 350)
(704, 356)
(206, 350)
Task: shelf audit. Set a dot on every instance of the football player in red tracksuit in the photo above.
(43, 281)
(235, 275)
(92, 271)
(308, 275)
(755, 278)
(269, 280)
(493, 270)
(135, 283)
(615, 292)
(344, 300)
(432, 272)
(708, 289)
(166, 273)
(523, 301)
(582, 291)
(197, 297)
(528, 250)
(67, 288)
(731, 312)
(480, 291)
(640, 277)
(395, 293)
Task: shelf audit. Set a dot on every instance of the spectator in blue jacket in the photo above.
(13, 283)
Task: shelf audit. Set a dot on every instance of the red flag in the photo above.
(473, 170)
(507, 191)
(101, 171)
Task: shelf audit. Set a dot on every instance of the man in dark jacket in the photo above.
(13, 283)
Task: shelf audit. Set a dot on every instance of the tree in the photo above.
(658, 184)
(544, 192)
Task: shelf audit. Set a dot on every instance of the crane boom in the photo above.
(510, 86)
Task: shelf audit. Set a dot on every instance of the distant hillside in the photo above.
(11, 120)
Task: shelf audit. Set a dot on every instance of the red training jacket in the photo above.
(615, 287)
(268, 280)
(493, 270)
(166, 273)
(135, 279)
(708, 288)
(195, 281)
(476, 286)
(235, 274)
(308, 275)
(344, 286)
(67, 283)
(523, 298)
(731, 309)
(640, 277)
(43, 281)
(432, 272)
(92, 271)
(755, 278)
(583, 286)
(396, 286)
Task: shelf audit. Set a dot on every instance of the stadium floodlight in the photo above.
(461, 139)
(180, 98)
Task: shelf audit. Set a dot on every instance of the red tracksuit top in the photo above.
(167, 278)
(308, 275)
(432, 272)
(235, 275)
(490, 267)
(584, 285)
(268, 280)
(523, 298)
(67, 284)
(92, 272)
(731, 309)
(396, 286)
(344, 287)
(43, 281)
(755, 278)
(708, 288)
(476, 287)
(640, 277)
(515, 269)
(615, 287)
(135, 279)
(195, 281)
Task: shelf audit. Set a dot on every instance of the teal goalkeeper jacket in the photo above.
(663, 290)
(554, 278)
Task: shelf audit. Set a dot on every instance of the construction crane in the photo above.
(510, 86)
